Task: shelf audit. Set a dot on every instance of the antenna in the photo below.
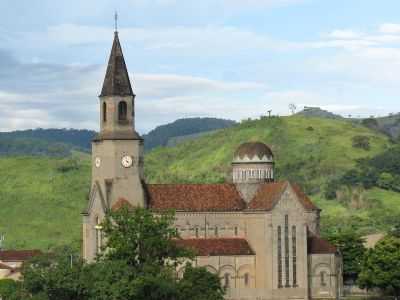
(116, 21)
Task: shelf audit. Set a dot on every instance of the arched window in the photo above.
(104, 112)
(226, 280)
(216, 231)
(236, 231)
(197, 232)
(246, 279)
(122, 110)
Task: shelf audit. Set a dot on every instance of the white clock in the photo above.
(97, 162)
(127, 161)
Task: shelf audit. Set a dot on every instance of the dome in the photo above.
(253, 151)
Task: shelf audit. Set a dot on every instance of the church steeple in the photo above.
(117, 100)
(116, 81)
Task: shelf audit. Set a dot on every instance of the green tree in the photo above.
(386, 181)
(56, 276)
(381, 266)
(362, 142)
(199, 284)
(351, 246)
(9, 289)
(138, 263)
(142, 239)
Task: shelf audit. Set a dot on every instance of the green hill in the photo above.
(41, 198)
(307, 150)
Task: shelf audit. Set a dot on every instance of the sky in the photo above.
(232, 59)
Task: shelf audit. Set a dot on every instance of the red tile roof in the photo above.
(219, 197)
(195, 197)
(267, 195)
(18, 255)
(317, 245)
(307, 203)
(217, 246)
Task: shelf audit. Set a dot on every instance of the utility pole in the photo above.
(2, 238)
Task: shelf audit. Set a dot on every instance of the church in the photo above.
(259, 235)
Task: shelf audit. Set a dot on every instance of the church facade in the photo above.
(259, 235)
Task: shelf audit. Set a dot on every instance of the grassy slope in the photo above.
(301, 153)
(40, 206)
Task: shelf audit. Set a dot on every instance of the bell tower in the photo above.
(117, 152)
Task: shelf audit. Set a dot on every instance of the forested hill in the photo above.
(61, 142)
(50, 142)
(161, 135)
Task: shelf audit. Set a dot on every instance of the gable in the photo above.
(96, 199)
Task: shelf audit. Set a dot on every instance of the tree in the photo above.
(351, 246)
(9, 289)
(362, 142)
(292, 108)
(138, 263)
(381, 266)
(55, 276)
(199, 284)
(151, 239)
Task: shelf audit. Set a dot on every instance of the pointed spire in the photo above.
(116, 81)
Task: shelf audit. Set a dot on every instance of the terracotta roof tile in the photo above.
(18, 255)
(120, 203)
(218, 197)
(217, 246)
(307, 203)
(317, 245)
(195, 197)
(267, 195)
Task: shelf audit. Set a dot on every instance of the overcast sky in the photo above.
(224, 58)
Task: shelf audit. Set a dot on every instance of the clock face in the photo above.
(97, 162)
(127, 161)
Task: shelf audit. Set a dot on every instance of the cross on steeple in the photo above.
(116, 21)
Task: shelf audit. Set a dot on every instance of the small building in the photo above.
(11, 262)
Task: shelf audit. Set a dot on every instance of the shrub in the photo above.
(362, 142)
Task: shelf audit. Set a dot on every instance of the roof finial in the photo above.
(116, 21)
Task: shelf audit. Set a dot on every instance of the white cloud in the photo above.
(187, 41)
(344, 34)
(390, 28)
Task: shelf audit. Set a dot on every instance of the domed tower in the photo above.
(253, 164)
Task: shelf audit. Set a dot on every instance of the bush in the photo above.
(8, 289)
(362, 142)
(66, 165)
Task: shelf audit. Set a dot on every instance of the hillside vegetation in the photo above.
(181, 129)
(41, 198)
(307, 150)
(62, 142)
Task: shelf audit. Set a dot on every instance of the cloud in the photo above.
(207, 41)
(46, 95)
(389, 28)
